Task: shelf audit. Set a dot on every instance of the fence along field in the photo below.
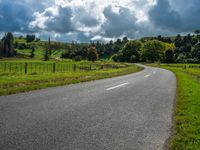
(39, 67)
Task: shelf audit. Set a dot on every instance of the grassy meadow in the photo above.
(15, 82)
(187, 114)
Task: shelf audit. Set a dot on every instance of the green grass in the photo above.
(14, 83)
(187, 114)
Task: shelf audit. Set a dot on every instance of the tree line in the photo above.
(178, 49)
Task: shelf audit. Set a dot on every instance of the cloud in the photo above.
(176, 16)
(55, 18)
(14, 16)
(164, 17)
(119, 21)
(83, 20)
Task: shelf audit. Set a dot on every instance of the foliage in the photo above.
(32, 55)
(196, 52)
(7, 45)
(169, 56)
(131, 51)
(176, 49)
(30, 38)
(153, 51)
(92, 54)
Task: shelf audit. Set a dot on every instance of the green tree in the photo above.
(30, 38)
(169, 56)
(131, 51)
(153, 51)
(46, 53)
(32, 55)
(197, 32)
(125, 40)
(8, 45)
(196, 53)
(49, 46)
(1, 49)
(92, 54)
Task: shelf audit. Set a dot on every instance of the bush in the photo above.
(77, 58)
(92, 54)
(153, 51)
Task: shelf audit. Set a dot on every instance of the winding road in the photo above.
(132, 112)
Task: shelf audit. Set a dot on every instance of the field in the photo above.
(39, 49)
(14, 78)
(187, 121)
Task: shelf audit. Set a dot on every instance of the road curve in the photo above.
(121, 113)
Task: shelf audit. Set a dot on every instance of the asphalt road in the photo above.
(121, 113)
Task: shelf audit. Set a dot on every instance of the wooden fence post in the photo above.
(54, 67)
(25, 68)
(74, 67)
(90, 66)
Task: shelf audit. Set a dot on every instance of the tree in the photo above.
(1, 49)
(131, 51)
(30, 38)
(7, 45)
(178, 41)
(49, 46)
(32, 55)
(169, 56)
(46, 54)
(118, 57)
(197, 32)
(153, 51)
(92, 54)
(196, 52)
(125, 40)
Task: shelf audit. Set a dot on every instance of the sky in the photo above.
(104, 20)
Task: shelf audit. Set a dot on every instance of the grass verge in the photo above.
(187, 113)
(15, 83)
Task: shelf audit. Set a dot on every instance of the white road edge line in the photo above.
(147, 76)
(114, 87)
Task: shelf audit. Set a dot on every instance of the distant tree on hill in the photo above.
(197, 32)
(196, 53)
(30, 38)
(49, 47)
(92, 54)
(153, 51)
(1, 49)
(7, 45)
(46, 53)
(131, 51)
(32, 55)
(125, 40)
(169, 56)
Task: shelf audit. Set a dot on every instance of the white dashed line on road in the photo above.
(147, 76)
(117, 86)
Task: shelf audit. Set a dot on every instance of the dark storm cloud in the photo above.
(85, 17)
(118, 23)
(163, 16)
(61, 22)
(81, 20)
(14, 16)
(176, 16)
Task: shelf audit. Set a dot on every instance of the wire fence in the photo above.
(185, 66)
(39, 67)
(29, 67)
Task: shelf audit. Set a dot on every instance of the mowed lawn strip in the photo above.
(187, 114)
(15, 83)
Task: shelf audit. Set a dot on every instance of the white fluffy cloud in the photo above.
(83, 20)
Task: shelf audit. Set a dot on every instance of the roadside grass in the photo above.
(12, 83)
(187, 113)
